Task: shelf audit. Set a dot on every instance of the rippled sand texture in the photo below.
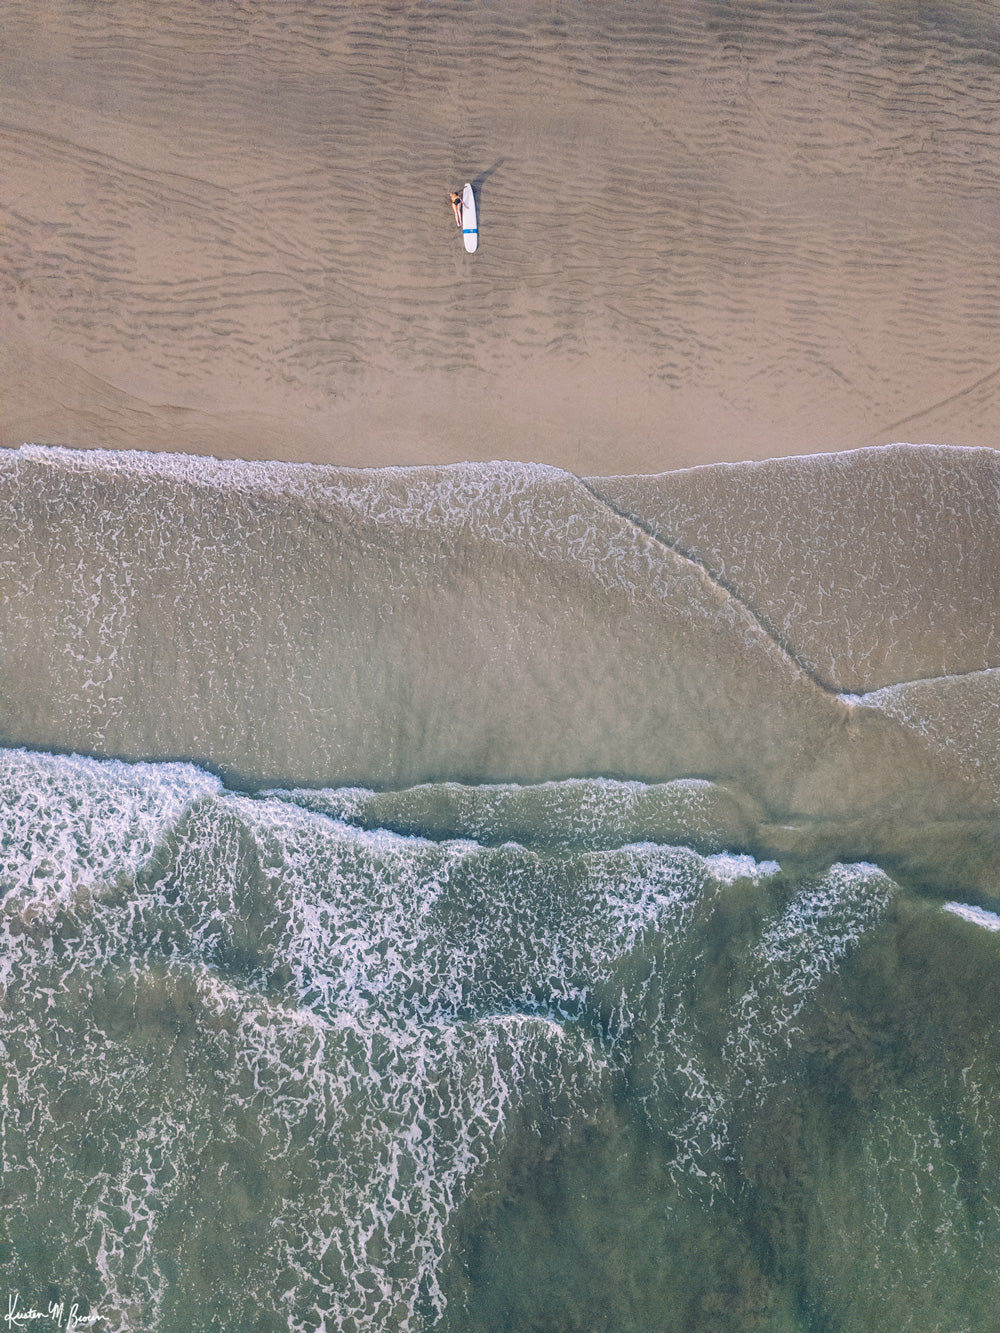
(709, 231)
(507, 622)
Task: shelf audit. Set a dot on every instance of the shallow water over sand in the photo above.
(545, 926)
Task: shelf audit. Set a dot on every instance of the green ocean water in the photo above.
(501, 1029)
(266, 1069)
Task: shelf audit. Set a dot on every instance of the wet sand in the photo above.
(709, 231)
(494, 623)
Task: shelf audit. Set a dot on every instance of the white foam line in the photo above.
(977, 915)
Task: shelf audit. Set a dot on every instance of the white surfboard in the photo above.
(470, 226)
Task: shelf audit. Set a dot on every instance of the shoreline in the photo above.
(813, 457)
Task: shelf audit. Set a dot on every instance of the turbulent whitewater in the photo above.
(476, 898)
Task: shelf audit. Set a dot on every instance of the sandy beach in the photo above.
(528, 893)
(709, 232)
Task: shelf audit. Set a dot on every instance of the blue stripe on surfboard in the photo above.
(470, 231)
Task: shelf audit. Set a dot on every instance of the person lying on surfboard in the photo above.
(456, 206)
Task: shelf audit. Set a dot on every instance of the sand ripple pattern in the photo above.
(769, 223)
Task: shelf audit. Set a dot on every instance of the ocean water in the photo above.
(445, 899)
